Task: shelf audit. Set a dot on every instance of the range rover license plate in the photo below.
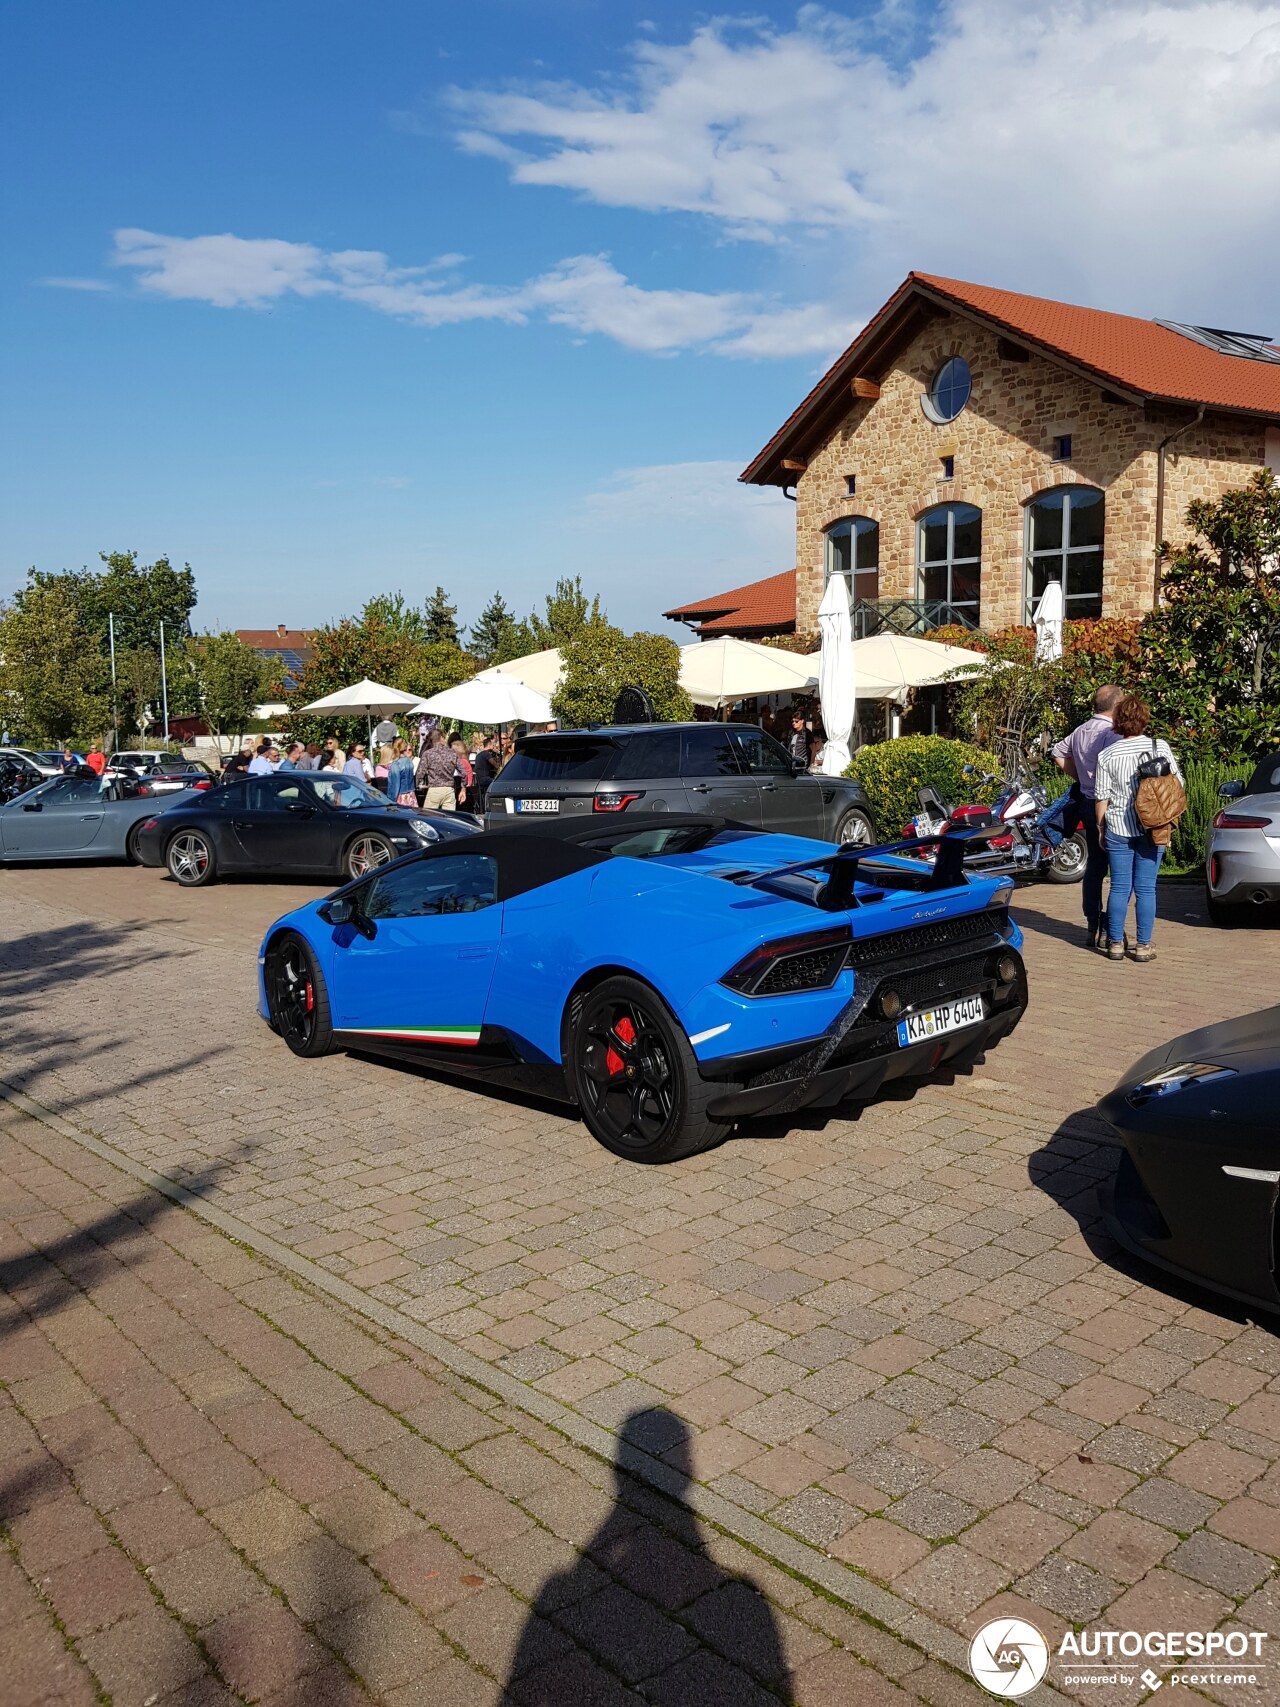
(546, 804)
(936, 1022)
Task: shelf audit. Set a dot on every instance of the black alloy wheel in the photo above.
(132, 851)
(189, 857)
(636, 1077)
(296, 996)
(366, 853)
(855, 829)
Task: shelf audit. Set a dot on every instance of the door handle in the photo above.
(701, 787)
(241, 824)
(473, 953)
(90, 817)
(768, 788)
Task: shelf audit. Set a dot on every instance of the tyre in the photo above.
(366, 852)
(635, 1076)
(189, 857)
(856, 829)
(1068, 862)
(1222, 913)
(132, 853)
(297, 999)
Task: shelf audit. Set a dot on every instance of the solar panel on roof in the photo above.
(1253, 346)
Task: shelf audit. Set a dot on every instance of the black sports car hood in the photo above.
(1250, 1043)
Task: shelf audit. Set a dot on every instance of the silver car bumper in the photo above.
(1243, 865)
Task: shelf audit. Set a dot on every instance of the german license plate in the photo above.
(936, 1022)
(543, 805)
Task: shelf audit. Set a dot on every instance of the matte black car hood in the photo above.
(1255, 1036)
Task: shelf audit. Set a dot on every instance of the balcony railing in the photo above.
(908, 616)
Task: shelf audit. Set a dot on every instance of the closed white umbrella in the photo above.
(495, 698)
(836, 688)
(720, 672)
(1048, 624)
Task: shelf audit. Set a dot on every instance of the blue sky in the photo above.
(344, 296)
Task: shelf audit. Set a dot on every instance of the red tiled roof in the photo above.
(1138, 355)
(1120, 351)
(271, 640)
(768, 604)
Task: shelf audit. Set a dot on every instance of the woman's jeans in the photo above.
(1134, 861)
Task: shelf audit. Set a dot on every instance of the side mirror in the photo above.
(799, 766)
(1230, 791)
(33, 806)
(301, 809)
(345, 910)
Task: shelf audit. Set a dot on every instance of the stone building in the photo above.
(972, 444)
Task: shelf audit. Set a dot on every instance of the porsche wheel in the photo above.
(1069, 860)
(189, 857)
(635, 1076)
(132, 852)
(855, 829)
(366, 853)
(296, 996)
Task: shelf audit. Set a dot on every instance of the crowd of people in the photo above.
(440, 771)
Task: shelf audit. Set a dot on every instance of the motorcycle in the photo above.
(1036, 842)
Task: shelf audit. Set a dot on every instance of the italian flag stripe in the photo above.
(467, 1034)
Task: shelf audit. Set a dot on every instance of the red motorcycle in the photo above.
(1036, 842)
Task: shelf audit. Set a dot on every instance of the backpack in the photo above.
(1160, 799)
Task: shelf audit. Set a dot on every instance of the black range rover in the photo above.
(733, 770)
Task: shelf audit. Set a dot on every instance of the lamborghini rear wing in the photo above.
(945, 871)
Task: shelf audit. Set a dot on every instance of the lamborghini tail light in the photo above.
(791, 965)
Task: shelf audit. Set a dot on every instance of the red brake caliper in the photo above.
(311, 999)
(625, 1032)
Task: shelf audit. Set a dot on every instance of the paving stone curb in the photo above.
(825, 1574)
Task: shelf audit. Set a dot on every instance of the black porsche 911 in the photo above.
(295, 823)
(1196, 1189)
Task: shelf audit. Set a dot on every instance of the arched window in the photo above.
(853, 550)
(1064, 543)
(949, 560)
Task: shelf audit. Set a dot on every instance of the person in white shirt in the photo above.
(1134, 857)
(261, 765)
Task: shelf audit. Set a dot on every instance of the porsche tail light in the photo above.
(151, 823)
(614, 802)
(792, 964)
(1240, 821)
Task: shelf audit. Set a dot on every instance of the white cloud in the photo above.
(1111, 144)
(585, 293)
(75, 284)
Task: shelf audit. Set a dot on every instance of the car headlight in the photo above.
(424, 828)
(1169, 1080)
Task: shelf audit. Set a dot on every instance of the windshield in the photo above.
(346, 793)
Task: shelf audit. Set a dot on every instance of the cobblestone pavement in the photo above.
(899, 1338)
(216, 1487)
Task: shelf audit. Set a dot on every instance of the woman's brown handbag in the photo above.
(1160, 799)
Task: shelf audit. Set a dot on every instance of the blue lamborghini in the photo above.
(669, 976)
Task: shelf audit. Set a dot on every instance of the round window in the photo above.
(949, 393)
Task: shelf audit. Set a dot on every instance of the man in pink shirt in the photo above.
(1077, 755)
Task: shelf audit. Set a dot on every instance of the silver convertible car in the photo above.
(76, 817)
(1242, 859)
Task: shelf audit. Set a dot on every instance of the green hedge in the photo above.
(891, 772)
(1203, 779)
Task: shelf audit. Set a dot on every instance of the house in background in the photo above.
(972, 445)
(757, 611)
(293, 646)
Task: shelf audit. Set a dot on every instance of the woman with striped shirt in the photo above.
(1134, 858)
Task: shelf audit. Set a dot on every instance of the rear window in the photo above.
(548, 759)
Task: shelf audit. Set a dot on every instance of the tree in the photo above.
(1211, 652)
(228, 680)
(601, 660)
(441, 619)
(567, 612)
(51, 678)
(498, 635)
(394, 613)
(139, 595)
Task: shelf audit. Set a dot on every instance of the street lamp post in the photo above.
(164, 687)
(115, 700)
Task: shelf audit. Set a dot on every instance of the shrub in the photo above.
(601, 660)
(891, 772)
(1203, 779)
